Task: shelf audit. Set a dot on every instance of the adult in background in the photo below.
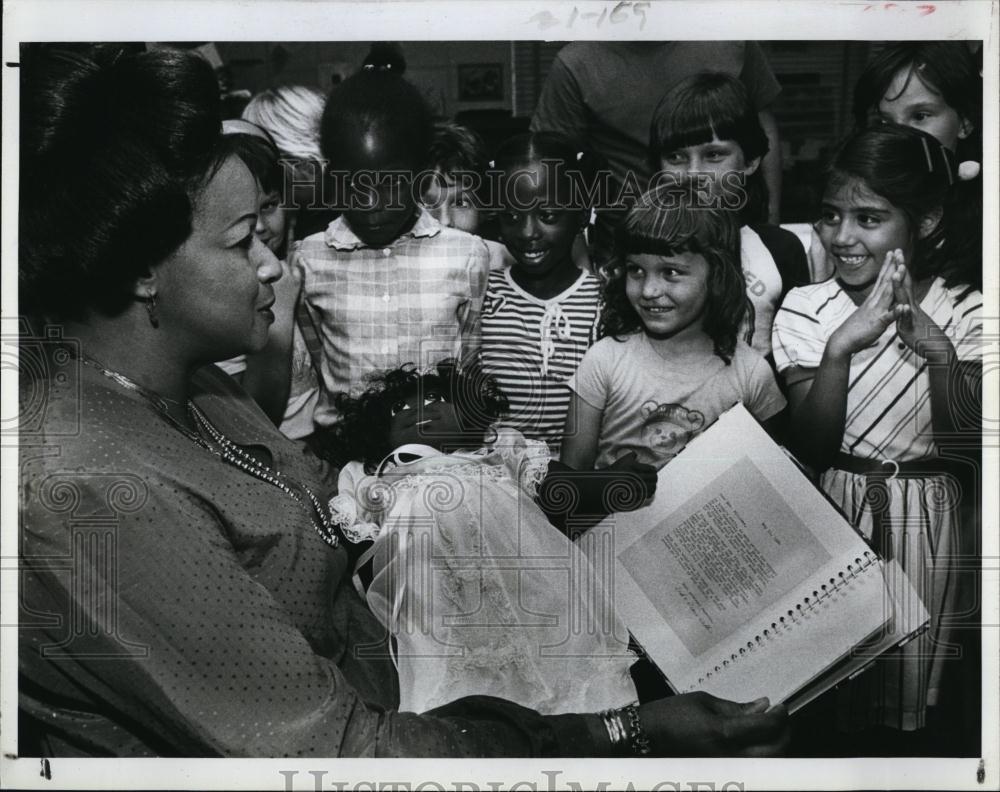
(184, 589)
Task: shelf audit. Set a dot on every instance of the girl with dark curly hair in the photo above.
(674, 304)
(460, 528)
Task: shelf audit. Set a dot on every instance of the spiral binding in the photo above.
(792, 616)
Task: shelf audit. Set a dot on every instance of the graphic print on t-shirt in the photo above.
(666, 430)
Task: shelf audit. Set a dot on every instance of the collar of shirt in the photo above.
(340, 236)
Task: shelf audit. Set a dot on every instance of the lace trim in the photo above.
(344, 514)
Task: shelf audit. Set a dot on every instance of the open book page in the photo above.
(740, 578)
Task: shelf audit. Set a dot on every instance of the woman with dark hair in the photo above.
(191, 579)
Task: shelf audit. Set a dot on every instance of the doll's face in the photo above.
(425, 417)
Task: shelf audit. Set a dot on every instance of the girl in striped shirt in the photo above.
(540, 314)
(883, 363)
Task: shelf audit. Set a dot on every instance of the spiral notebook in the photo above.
(741, 579)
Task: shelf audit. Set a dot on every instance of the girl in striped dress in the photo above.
(540, 314)
(883, 364)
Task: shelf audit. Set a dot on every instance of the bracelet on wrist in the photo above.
(625, 731)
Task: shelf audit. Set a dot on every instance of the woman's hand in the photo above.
(866, 325)
(916, 329)
(699, 724)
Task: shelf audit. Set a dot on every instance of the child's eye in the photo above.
(549, 218)
(829, 217)
(674, 158)
(869, 220)
(432, 397)
(509, 217)
(920, 116)
(634, 271)
(246, 242)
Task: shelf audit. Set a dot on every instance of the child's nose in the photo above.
(530, 228)
(844, 234)
(651, 288)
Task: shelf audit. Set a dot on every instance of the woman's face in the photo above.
(214, 292)
(858, 228)
(910, 102)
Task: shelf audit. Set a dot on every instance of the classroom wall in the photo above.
(432, 66)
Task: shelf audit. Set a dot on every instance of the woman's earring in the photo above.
(150, 302)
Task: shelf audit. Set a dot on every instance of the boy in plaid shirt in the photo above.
(385, 284)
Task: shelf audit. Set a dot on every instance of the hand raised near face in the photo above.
(916, 329)
(879, 310)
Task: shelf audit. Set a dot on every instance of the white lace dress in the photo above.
(482, 594)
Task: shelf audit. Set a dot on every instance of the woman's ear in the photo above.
(146, 286)
(930, 221)
(751, 166)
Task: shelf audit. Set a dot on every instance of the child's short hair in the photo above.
(946, 68)
(456, 148)
(666, 222)
(362, 434)
(291, 114)
(257, 150)
(707, 105)
(579, 167)
(914, 172)
(382, 99)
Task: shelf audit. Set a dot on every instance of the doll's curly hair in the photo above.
(668, 221)
(362, 433)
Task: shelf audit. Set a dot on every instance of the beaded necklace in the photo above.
(228, 451)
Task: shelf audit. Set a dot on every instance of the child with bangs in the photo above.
(457, 163)
(936, 87)
(707, 131)
(671, 360)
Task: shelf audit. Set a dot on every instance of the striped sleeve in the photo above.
(797, 338)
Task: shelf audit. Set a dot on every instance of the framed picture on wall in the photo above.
(480, 82)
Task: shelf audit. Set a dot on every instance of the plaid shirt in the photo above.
(417, 300)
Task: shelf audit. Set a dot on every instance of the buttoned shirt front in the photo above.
(416, 300)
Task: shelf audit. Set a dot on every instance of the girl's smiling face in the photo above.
(538, 233)
(858, 228)
(909, 101)
(668, 292)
